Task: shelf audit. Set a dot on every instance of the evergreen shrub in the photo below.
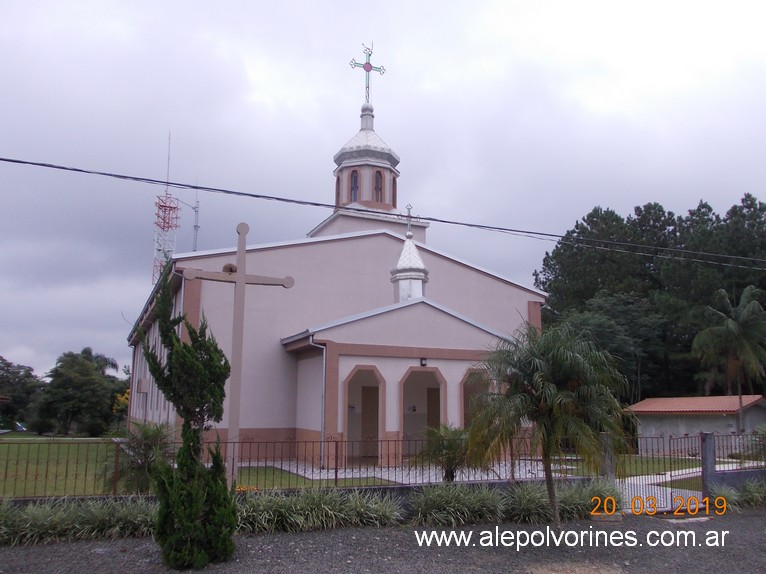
(753, 493)
(527, 503)
(451, 505)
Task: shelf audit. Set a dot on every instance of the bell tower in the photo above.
(366, 177)
(366, 172)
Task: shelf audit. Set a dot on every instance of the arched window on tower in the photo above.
(393, 192)
(378, 187)
(337, 190)
(354, 186)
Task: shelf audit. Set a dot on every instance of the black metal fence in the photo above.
(658, 467)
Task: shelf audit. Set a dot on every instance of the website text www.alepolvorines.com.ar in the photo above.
(592, 537)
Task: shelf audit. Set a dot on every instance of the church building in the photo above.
(375, 340)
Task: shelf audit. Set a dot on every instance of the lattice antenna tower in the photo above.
(167, 219)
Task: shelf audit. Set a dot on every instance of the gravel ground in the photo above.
(394, 550)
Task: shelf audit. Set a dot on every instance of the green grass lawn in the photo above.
(686, 483)
(35, 466)
(638, 465)
(32, 466)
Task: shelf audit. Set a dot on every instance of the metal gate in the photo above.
(642, 476)
(685, 473)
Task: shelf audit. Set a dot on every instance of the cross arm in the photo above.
(231, 277)
(286, 282)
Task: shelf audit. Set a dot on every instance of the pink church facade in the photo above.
(376, 339)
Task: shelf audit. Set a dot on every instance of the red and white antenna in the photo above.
(167, 219)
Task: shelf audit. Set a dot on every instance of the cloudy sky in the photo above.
(524, 114)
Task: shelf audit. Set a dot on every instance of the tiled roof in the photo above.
(691, 405)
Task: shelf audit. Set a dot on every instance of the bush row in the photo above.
(525, 503)
(752, 493)
(64, 519)
(435, 506)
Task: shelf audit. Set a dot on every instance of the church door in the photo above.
(433, 408)
(369, 446)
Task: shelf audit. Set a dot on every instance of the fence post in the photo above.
(607, 469)
(336, 463)
(116, 475)
(707, 456)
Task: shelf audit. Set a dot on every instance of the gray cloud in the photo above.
(503, 113)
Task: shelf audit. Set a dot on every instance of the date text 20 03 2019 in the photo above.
(683, 506)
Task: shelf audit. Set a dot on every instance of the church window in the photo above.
(378, 187)
(337, 190)
(354, 186)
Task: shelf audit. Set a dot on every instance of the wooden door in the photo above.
(369, 446)
(433, 407)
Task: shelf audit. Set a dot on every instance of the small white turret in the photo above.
(410, 274)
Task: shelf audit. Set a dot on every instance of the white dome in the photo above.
(366, 144)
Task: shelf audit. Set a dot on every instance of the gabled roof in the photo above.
(367, 213)
(389, 308)
(353, 235)
(145, 314)
(696, 405)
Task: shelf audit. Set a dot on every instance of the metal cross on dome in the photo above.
(367, 67)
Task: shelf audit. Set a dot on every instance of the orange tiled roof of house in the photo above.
(669, 405)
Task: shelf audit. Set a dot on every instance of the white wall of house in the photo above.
(685, 425)
(309, 392)
(755, 417)
(694, 424)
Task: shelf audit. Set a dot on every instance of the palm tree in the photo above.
(739, 337)
(446, 447)
(557, 385)
(101, 361)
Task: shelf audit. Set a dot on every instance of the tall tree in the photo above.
(587, 247)
(654, 230)
(630, 329)
(558, 385)
(744, 231)
(100, 361)
(19, 384)
(196, 517)
(674, 263)
(698, 233)
(739, 336)
(77, 394)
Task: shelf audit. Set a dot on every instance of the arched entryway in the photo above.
(364, 395)
(423, 406)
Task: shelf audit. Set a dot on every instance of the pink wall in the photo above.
(336, 278)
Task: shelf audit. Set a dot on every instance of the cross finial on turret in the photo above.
(409, 221)
(367, 67)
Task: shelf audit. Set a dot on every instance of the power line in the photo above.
(592, 243)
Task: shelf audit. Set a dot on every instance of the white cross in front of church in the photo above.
(237, 274)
